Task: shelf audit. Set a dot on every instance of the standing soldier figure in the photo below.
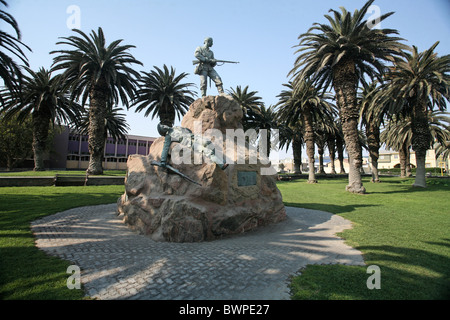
(206, 67)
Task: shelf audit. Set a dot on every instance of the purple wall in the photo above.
(142, 150)
(121, 149)
(74, 146)
(110, 148)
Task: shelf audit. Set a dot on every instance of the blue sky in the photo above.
(260, 34)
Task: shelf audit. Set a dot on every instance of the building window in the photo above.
(74, 138)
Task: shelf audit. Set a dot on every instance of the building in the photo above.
(391, 159)
(386, 160)
(70, 150)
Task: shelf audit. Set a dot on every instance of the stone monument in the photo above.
(201, 199)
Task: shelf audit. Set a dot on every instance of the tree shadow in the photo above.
(405, 274)
(113, 258)
(332, 208)
(18, 210)
(419, 274)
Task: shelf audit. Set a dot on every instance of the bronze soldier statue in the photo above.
(205, 66)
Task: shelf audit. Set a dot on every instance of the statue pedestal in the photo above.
(167, 207)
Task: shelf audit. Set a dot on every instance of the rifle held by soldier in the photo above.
(214, 61)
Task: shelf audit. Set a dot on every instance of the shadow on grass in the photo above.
(33, 276)
(411, 189)
(417, 273)
(405, 274)
(25, 271)
(18, 210)
(332, 208)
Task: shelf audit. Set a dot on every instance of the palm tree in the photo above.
(414, 86)
(116, 125)
(442, 150)
(162, 93)
(325, 131)
(306, 104)
(320, 137)
(398, 135)
(266, 120)
(250, 103)
(10, 71)
(47, 101)
(342, 54)
(101, 73)
(292, 135)
(331, 142)
(340, 145)
(372, 115)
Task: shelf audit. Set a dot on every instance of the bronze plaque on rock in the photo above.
(246, 178)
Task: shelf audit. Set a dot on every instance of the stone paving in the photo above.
(117, 263)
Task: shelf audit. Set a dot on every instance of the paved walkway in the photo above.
(117, 263)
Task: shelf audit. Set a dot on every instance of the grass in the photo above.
(51, 173)
(401, 229)
(25, 271)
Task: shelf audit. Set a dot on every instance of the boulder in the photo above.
(168, 207)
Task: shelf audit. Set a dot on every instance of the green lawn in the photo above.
(403, 230)
(51, 173)
(25, 271)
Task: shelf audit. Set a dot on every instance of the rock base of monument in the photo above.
(167, 207)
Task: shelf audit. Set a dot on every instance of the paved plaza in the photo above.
(117, 263)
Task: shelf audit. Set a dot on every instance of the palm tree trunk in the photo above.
(403, 159)
(374, 168)
(320, 150)
(340, 152)
(41, 124)
(345, 82)
(408, 162)
(310, 147)
(166, 114)
(96, 130)
(373, 142)
(420, 180)
(332, 150)
(297, 152)
(420, 140)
